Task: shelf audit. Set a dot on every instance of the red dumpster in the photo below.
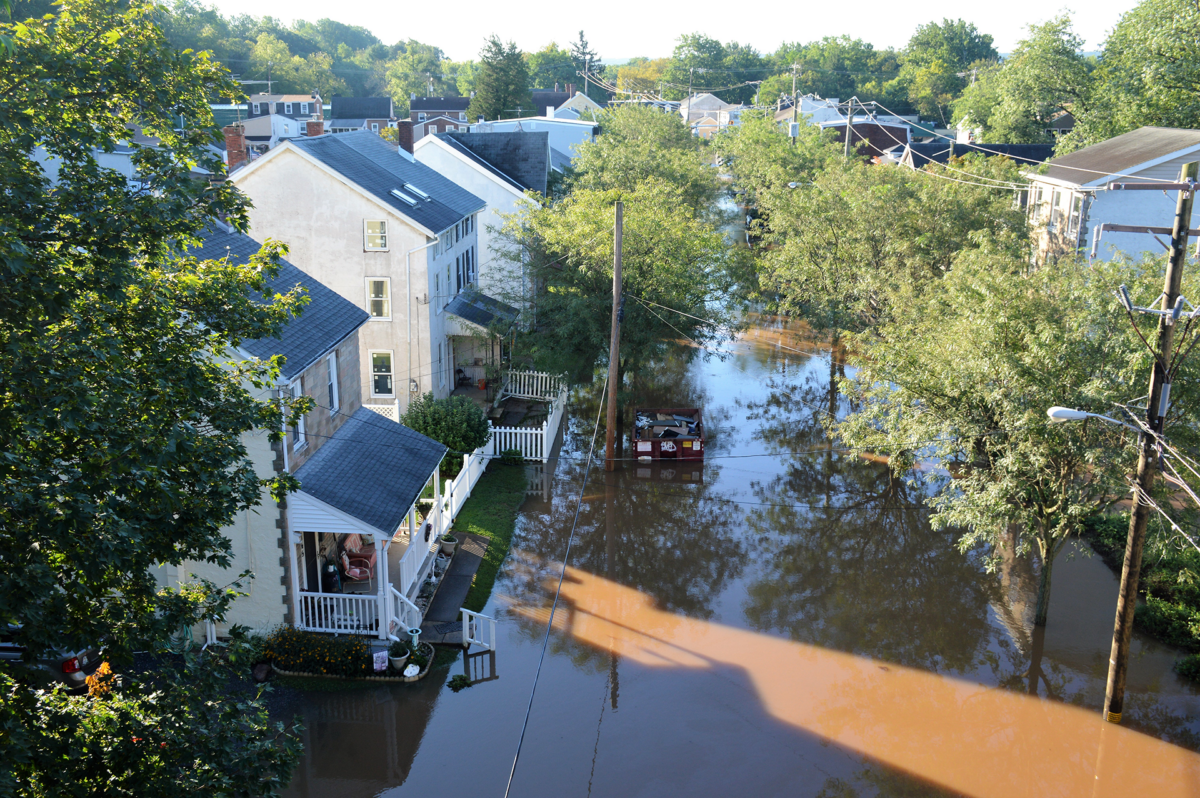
(668, 433)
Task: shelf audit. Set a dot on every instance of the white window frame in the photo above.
(462, 116)
(366, 235)
(257, 109)
(437, 290)
(420, 117)
(387, 282)
(304, 108)
(374, 127)
(371, 353)
(299, 438)
(287, 108)
(332, 393)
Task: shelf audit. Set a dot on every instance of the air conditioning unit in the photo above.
(413, 386)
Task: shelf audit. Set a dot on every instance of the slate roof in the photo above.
(372, 469)
(353, 124)
(479, 308)
(377, 167)
(559, 159)
(439, 103)
(324, 321)
(360, 107)
(522, 159)
(544, 97)
(939, 151)
(1121, 153)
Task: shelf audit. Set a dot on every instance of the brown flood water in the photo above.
(779, 621)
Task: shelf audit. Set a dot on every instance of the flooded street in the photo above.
(778, 620)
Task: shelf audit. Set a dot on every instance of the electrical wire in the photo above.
(557, 592)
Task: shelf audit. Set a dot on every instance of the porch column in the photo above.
(412, 523)
(385, 604)
(435, 517)
(297, 560)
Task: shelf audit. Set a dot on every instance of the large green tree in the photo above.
(588, 60)
(935, 65)
(553, 65)
(502, 83)
(121, 409)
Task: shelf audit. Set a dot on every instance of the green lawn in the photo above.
(492, 512)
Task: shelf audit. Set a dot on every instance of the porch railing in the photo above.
(479, 630)
(532, 385)
(405, 614)
(416, 558)
(344, 613)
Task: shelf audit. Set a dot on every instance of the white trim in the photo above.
(367, 234)
(299, 437)
(341, 515)
(371, 373)
(331, 366)
(430, 141)
(387, 281)
(287, 146)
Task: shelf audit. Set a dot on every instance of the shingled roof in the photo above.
(521, 158)
(372, 469)
(439, 104)
(326, 320)
(479, 308)
(1121, 154)
(941, 151)
(377, 167)
(360, 107)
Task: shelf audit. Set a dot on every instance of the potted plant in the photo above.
(448, 543)
(398, 653)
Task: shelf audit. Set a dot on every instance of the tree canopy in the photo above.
(502, 83)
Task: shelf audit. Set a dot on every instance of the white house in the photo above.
(565, 134)
(1070, 201)
(387, 233)
(346, 552)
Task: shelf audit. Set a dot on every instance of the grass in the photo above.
(492, 513)
(1170, 581)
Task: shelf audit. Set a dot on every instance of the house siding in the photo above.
(320, 423)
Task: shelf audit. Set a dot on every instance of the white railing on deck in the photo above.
(479, 630)
(458, 490)
(405, 614)
(345, 613)
(390, 410)
(416, 557)
(532, 385)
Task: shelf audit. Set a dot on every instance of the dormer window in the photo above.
(287, 108)
(462, 116)
(304, 108)
(257, 109)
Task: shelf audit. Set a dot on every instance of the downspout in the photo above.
(409, 302)
(279, 386)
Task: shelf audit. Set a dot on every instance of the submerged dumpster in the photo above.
(668, 433)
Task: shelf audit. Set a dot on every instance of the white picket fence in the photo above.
(532, 385)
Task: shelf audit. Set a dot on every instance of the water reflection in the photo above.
(959, 735)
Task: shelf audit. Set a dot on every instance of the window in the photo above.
(420, 117)
(375, 235)
(471, 273)
(462, 116)
(279, 108)
(257, 109)
(381, 374)
(441, 373)
(457, 232)
(332, 397)
(304, 108)
(298, 439)
(287, 108)
(379, 298)
(448, 283)
(375, 127)
(458, 274)
(437, 291)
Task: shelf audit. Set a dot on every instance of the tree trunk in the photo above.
(1035, 659)
(833, 376)
(1043, 593)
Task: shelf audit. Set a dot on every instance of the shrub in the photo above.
(512, 457)
(1189, 667)
(456, 421)
(419, 659)
(398, 648)
(308, 652)
(1174, 624)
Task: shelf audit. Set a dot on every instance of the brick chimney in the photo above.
(235, 147)
(314, 127)
(571, 89)
(404, 133)
(318, 106)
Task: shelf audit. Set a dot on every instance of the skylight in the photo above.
(418, 192)
(400, 195)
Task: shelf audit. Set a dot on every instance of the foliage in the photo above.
(933, 59)
(585, 58)
(642, 75)
(1045, 75)
(398, 648)
(292, 649)
(418, 70)
(491, 511)
(638, 143)
(835, 67)
(459, 681)
(502, 84)
(670, 258)
(843, 248)
(293, 74)
(174, 729)
(960, 381)
(1189, 667)
(456, 421)
(419, 657)
(1147, 75)
(764, 160)
(550, 66)
(706, 65)
(512, 457)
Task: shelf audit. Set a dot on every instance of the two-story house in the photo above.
(347, 551)
(300, 107)
(1067, 203)
(361, 113)
(437, 115)
(385, 232)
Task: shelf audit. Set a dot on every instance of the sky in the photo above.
(621, 29)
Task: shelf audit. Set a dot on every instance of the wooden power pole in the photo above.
(1156, 409)
(614, 346)
(795, 105)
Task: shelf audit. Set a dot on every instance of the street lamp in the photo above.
(1071, 414)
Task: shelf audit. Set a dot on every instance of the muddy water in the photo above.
(779, 621)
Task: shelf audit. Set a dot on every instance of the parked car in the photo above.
(68, 668)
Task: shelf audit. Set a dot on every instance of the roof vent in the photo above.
(400, 195)
(418, 192)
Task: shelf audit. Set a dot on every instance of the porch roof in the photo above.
(481, 309)
(372, 469)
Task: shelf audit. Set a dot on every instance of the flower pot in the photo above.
(397, 663)
(481, 383)
(448, 546)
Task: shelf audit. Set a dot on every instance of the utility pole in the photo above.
(795, 104)
(691, 71)
(587, 59)
(1156, 409)
(849, 126)
(614, 345)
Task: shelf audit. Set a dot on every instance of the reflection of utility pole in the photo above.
(1156, 410)
(614, 344)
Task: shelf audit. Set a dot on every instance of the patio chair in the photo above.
(358, 561)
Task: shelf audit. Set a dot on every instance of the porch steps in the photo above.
(443, 619)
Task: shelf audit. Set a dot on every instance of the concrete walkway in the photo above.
(443, 621)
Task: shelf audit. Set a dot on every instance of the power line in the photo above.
(557, 592)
